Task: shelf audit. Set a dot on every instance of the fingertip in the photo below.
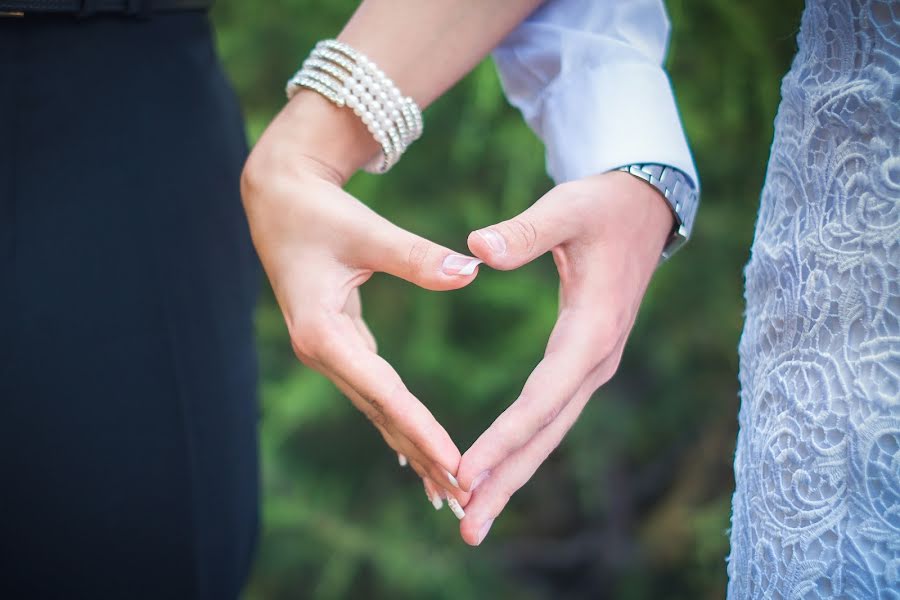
(479, 246)
(455, 507)
(490, 245)
(471, 473)
(424, 263)
(462, 497)
(505, 436)
(433, 495)
(469, 530)
(452, 479)
(459, 266)
(447, 482)
(465, 483)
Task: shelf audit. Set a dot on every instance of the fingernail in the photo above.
(484, 530)
(453, 503)
(436, 501)
(452, 480)
(494, 240)
(402, 460)
(457, 264)
(479, 480)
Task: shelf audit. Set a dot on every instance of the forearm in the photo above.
(424, 47)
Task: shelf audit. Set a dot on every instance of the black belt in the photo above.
(18, 8)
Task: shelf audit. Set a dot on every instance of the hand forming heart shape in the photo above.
(318, 244)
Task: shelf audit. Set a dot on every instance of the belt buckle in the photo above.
(11, 13)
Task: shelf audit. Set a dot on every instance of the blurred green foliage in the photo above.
(635, 503)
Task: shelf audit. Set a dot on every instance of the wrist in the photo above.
(315, 133)
(649, 210)
(678, 191)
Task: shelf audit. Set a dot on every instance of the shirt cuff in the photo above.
(597, 119)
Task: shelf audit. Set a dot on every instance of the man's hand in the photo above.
(606, 234)
(318, 244)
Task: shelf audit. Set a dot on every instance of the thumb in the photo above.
(512, 243)
(398, 252)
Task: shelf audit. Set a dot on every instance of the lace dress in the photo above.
(816, 511)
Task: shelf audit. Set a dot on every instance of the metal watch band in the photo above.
(678, 191)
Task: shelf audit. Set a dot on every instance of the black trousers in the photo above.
(128, 409)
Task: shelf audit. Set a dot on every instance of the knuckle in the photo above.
(604, 374)
(605, 344)
(377, 417)
(524, 232)
(549, 416)
(378, 409)
(607, 328)
(513, 433)
(387, 394)
(536, 413)
(612, 366)
(418, 256)
(606, 370)
(380, 401)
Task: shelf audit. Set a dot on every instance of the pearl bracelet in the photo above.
(348, 78)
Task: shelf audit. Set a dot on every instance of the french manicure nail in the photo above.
(452, 480)
(457, 264)
(436, 502)
(494, 240)
(479, 480)
(453, 503)
(484, 530)
(402, 460)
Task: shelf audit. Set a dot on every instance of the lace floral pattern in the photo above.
(817, 507)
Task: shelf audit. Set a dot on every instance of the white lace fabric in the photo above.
(816, 509)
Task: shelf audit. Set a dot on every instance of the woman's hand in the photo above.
(606, 234)
(318, 244)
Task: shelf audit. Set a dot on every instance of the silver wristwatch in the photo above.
(679, 192)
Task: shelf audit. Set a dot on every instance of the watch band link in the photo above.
(678, 191)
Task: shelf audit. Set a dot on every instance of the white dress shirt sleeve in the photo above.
(588, 78)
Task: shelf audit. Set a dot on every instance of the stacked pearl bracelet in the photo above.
(347, 78)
